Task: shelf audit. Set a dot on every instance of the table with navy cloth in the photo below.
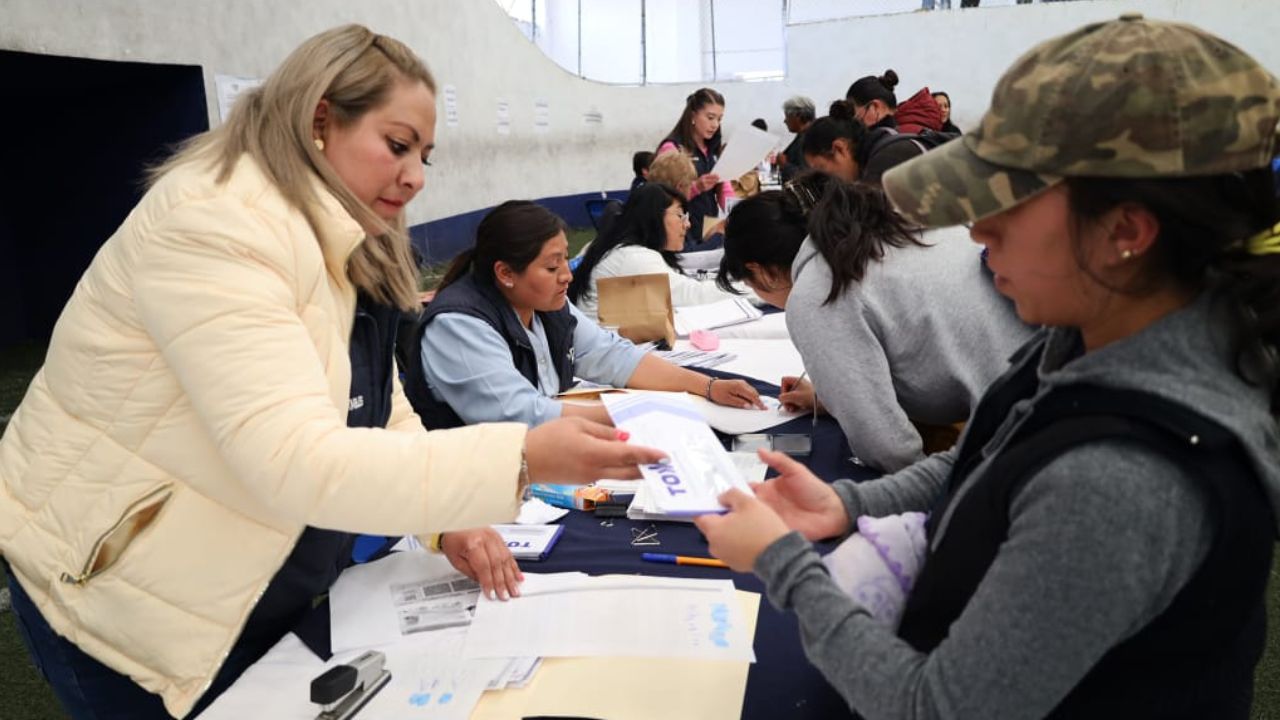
(781, 683)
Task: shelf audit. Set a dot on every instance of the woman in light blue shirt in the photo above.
(500, 340)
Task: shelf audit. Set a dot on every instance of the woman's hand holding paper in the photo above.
(803, 501)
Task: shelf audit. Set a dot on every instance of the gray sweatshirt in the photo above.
(919, 338)
(1100, 541)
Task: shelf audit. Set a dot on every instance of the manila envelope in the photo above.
(639, 306)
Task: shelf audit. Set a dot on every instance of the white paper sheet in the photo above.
(710, 316)
(743, 151)
(766, 360)
(753, 471)
(735, 421)
(230, 88)
(697, 468)
(559, 616)
(398, 599)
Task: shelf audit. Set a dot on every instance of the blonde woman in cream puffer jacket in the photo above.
(189, 421)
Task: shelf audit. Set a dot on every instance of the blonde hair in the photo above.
(355, 70)
(675, 168)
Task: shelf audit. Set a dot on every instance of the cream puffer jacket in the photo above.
(190, 420)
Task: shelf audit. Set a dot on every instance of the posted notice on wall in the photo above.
(541, 116)
(230, 88)
(504, 117)
(450, 94)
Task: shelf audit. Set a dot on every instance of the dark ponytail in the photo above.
(865, 89)
(839, 124)
(1205, 224)
(682, 133)
(514, 233)
(851, 226)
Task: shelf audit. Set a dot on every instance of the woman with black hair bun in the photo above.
(876, 105)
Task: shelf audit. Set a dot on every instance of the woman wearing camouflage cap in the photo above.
(1099, 543)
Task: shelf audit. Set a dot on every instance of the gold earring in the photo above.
(1126, 254)
(319, 143)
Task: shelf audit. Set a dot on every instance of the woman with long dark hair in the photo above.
(1100, 542)
(645, 239)
(501, 340)
(897, 328)
(697, 133)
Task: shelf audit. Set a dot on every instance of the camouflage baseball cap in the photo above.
(1129, 98)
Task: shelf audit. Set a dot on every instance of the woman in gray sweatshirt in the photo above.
(895, 327)
(1100, 541)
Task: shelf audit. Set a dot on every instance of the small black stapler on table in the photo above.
(342, 690)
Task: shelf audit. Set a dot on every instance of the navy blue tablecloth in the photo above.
(781, 683)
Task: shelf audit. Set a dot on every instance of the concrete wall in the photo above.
(472, 45)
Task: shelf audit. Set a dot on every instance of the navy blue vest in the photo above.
(483, 301)
(1197, 658)
(320, 555)
(705, 203)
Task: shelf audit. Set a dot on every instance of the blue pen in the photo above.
(682, 560)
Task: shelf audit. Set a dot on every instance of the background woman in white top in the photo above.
(643, 240)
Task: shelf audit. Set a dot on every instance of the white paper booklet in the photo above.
(743, 151)
(645, 616)
(710, 316)
(698, 469)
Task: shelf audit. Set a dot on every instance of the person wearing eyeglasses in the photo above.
(644, 240)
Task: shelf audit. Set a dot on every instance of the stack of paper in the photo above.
(714, 315)
(695, 358)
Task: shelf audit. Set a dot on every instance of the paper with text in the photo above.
(561, 615)
(697, 468)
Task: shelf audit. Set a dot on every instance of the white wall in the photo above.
(474, 46)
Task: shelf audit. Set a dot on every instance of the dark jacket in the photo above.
(1197, 658)
(481, 300)
(706, 203)
(320, 555)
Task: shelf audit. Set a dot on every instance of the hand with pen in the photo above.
(797, 396)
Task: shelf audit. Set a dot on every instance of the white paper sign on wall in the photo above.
(504, 117)
(541, 116)
(229, 88)
(450, 106)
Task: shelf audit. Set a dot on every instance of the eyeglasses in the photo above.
(684, 217)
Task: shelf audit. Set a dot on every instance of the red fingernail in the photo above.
(623, 435)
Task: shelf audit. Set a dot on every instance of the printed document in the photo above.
(743, 151)
(697, 468)
(573, 615)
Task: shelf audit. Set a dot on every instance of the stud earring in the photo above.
(319, 144)
(509, 284)
(1126, 254)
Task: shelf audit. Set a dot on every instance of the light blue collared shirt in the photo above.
(468, 365)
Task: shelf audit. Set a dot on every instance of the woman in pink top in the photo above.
(697, 133)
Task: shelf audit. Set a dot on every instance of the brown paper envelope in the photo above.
(639, 306)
